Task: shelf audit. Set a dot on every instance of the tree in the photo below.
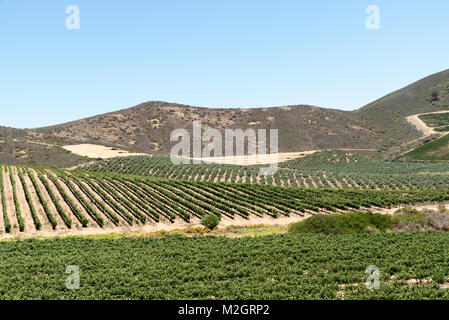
(435, 96)
(210, 221)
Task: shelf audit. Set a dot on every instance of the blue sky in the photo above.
(233, 53)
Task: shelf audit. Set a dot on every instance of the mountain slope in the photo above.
(17, 146)
(434, 150)
(388, 114)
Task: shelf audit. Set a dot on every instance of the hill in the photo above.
(146, 128)
(381, 125)
(434, 150)
(20, 147)
(387, 115)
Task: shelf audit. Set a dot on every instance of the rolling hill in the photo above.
(146, 128)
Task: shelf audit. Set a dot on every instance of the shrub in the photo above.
(210, 221)
(410, 219)
(353, 222)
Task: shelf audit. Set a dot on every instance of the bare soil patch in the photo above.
(99, 151)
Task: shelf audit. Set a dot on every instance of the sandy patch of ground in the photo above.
(99, 151)
(251, 160)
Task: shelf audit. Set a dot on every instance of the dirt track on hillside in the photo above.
(421, 125)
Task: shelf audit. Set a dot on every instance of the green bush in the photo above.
(353, 222)
(210, 221)
(410, 217)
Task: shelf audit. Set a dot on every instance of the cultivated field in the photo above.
(308, 266)
(38, 201)
(328, 169)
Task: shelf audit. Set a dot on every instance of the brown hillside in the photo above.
(147, 127)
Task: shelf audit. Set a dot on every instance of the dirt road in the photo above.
(422, 126)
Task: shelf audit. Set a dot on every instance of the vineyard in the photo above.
(328, 169)
(435, 119)
(411, 266)
(36, 199)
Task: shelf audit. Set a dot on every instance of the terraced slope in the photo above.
(39, 201)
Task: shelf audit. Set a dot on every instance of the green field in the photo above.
(442, 129)
(436, 119)
(146, 190)
(434, 150)
(177, 267)
(68, 201)
(328, 169)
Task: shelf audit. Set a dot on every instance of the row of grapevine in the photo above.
(6, 221)
(110, 201)
(199, 204)
(36, 220)
(42, 200)
(20, 220)
(118, 197)
(321, 170)
(100, 204)
(88, 207)
(149, 199)
(65, 217)
(73, 206)
(134, 199)
(114, 200)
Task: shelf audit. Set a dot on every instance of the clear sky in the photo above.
(211, 53)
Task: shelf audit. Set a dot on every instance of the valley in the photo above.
(106, 187)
